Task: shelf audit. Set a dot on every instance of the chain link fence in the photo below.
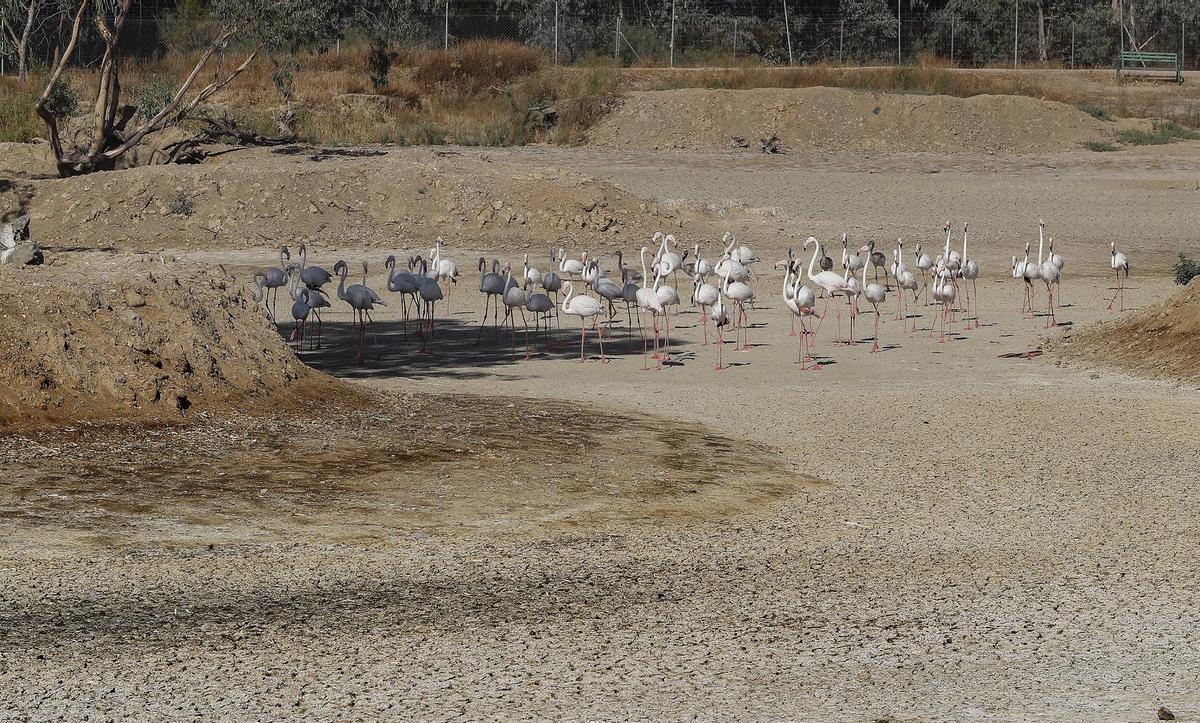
(698, 33)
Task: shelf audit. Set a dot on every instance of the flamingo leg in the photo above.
(483, 322)
(600, 338)
(875, 341)
(582, 335)
(720, 347)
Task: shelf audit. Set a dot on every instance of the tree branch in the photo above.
(173, 107)
(40, 106)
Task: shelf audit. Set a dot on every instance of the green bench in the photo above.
(1128, 60)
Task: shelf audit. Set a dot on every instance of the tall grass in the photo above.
(18, 122)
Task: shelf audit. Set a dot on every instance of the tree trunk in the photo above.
(1041, 17)
(23, 45)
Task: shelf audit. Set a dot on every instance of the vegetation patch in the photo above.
(1161, 133)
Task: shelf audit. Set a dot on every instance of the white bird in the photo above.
(531, 274)
(1119, 263)
(800, 301)
(668, 296)
(720, 318)
(647, 300)
(741, 294)
(584, 307)
(1058, 262)
(970, 272)
(905, 281)
(706, 295)
(875, 294)
(924, 263)
(571, 267)
(1049, 274)
(667, 261)
(443, 269)
(944, 292)
(1029, 272)
(832, 282)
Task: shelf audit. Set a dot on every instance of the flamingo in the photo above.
(540, 306)
(832, 282)
(629, 293)
(362, 299)
(944, 293)
(1049, 274)
(430, 293)
(584, 307)
(741, 294)
(1119, 262)
(875, 294)
(668, 261)
(1029, 272)
(668, 296)
(704, 294)
(443, 269)
(514, 298)
(531, 274)
(720, 318)
(647, 300)
(403, 283)
(491, 285)
(552, 282)
(970, 272)
(610, 291)
(1057, 260)
(273, 278)
(905, 281)
(879, 261)
(313, 277)
(924, 263)
(570, 267)
(801, 303)
(853, 291)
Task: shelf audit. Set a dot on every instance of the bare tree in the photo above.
(19, 19)
(256, 24)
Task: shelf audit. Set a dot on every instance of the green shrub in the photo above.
(1162, 132)
(1095, 111)
(1099, 146)
(1185, 269)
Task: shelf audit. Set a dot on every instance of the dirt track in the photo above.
(936, 532)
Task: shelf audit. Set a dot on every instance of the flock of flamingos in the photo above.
(723, 288)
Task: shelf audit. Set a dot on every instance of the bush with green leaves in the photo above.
(1185, 269)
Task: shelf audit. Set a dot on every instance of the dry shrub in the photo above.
(18, 122)
(474, 66)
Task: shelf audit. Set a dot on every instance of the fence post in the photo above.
(1016, 28)
(617, 42)
(1182, 42)
(446, 29)
(1072, 45)
(841, 41)
(952, 40)
(787, 28)
(735, 24)
(672, 60)
(898, 32)
(556, 32)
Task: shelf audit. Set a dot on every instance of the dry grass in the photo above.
(18, 122)
(492, 92)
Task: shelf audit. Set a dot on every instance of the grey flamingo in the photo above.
(362, 299)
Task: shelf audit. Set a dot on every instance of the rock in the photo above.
(134, 299)
(17, 248)
(1164, 714)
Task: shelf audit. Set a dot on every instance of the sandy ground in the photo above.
(978, 544)
(941, 531)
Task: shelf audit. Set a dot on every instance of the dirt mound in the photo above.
(1159, 341)
(112, 337)
(836, 119)
(390, 198)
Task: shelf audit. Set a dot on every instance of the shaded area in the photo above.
(453, 351)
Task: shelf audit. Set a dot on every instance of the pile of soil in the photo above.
(392, 198)
(98, 337)
(1158, 341)
(834, 119)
